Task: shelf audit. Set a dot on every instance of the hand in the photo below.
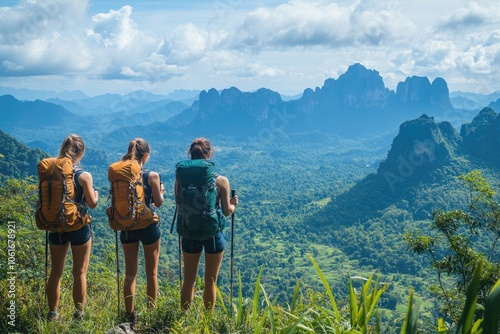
(234, 200)
(162, 188)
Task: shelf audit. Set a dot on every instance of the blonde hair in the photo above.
(72, 147)
(136, 149)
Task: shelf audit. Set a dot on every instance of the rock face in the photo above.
(421, 143)
(419, 92)
(235, 103)
(440, 95)
(357, 89)
(482, 136)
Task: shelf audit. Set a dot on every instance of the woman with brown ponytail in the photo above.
(139, 150)
(73, 147)
(214, 246)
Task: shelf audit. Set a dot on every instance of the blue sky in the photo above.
(287, 46)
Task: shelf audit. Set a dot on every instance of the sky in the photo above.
(162, 45)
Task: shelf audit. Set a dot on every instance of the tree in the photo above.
(460, 239)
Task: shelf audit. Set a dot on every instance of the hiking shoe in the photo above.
(78, 315)
(132, 318)
(52, 316)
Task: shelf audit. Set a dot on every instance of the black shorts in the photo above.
(148, 235)
(212, 245)
(77, 238)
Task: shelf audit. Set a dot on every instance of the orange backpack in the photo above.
(57, 210)
(128, 210)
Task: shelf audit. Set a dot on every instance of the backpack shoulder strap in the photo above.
(78, 187)
(148, 192)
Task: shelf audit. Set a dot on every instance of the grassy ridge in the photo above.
(312, 307)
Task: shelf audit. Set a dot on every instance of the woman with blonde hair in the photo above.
(73, 148)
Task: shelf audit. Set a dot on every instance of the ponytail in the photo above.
(200, 148)
(137, 148)
(72, 147)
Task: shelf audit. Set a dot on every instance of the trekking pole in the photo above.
(233, 193)
(117, 274)
(46, 260)
(180, 263)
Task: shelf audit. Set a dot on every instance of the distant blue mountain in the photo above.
(472, 101)
(42, 124)
(33, 114)
(357, 103)
(495, 105)
(30, 94)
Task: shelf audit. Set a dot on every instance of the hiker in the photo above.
(149, 235)
(73, 147)
(214, 245)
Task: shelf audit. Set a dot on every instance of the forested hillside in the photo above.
(17, 160)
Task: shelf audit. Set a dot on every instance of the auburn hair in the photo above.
(201, 148)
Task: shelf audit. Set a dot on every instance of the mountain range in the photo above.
(356, 104)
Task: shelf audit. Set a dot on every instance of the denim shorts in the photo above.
(148, 235)
(212, 245)
(77, 238)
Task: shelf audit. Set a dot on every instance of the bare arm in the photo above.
(157, 188)
(228, 204)
(91, 195)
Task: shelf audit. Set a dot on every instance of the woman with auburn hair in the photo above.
(73, 147)
(139, 150)
(214, 246)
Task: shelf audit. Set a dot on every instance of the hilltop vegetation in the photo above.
(17, 160)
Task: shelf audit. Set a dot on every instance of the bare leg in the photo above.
(53, 288)
(81, 258)
(131, 254)
(212, 266)
(151, 254)
(191, 262)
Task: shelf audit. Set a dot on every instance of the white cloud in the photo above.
(37, 19)
(115, 29)
(297, 23)
(258, 70)
(42, 37)
(187, 43)
(321, 23)
(470, 16)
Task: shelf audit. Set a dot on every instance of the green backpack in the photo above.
(197, 214)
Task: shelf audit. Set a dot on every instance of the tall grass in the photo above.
(360, 314)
